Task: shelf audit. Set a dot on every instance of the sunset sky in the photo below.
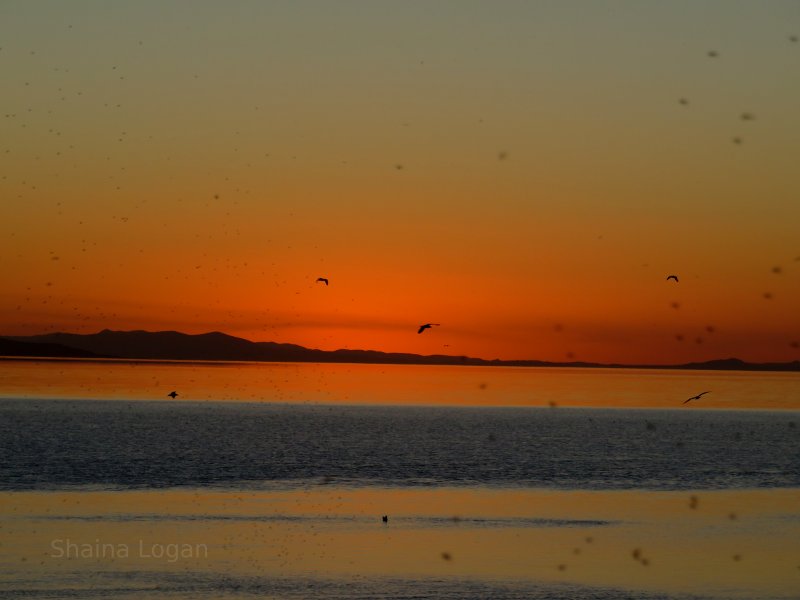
(524, 173)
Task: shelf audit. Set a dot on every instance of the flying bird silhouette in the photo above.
(426, 326)
(695, 397)
(322, 279)
(173, 395)
(675, 277)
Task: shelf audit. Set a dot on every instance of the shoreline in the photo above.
(723, 544)
(480, 363)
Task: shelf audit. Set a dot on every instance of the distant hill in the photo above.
(10, 347)
(735, 364)
(173, 345)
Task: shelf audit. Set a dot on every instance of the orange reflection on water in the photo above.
(743, 543)
(397, 384)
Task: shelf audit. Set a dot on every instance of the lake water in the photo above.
(396, 384)
(117, 445)
(271, 480)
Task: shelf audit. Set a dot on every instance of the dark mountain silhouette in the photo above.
(216, 346)
(736, 364)
(9, 347)
(173, 345)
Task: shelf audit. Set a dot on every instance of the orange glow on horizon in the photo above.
(531, 194)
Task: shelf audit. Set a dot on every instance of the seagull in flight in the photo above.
(173, 395)
(426, 326)
(675, 277)
(695, 397)
(322, 279)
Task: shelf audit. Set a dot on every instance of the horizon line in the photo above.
(735, 363)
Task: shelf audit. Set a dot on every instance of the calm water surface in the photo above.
(206, 440)
(396, 384)
(533, 483)
(66, 443)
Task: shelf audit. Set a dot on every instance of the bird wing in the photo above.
(421, 328)
(695, 397)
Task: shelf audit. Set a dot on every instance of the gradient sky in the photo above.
(523, 173)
